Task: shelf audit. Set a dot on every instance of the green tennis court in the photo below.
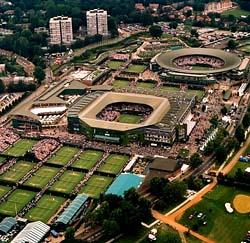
(87, 159)
(136, 68)
(46, 207)
(128, 118)
(114, 65)
(120, 83)
(4, 190)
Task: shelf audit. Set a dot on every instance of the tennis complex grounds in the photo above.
(87, 159)
(3, 190)
(20, 147)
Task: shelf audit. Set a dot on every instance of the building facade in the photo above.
(218, 7)
(97, 22)
(61, 31)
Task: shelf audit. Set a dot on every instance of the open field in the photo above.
(16, 172)
(4, 190)
(218, 220)
(114, 163)
(245, 48)
(67, 182)
(87, 159)
(46, 207)
(136, 68)
(239, 165)
(16, 201)
(131, 119)
(114, 65)
(41, 177)
(63, 155)
(120, 83)
(20, 147)
(96, 185)
(145, 85)
(237, 12)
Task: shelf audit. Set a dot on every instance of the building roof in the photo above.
(164, 164)
(72, 209)
(33, 233)
(230, 60)
(7, 224)
(124, 182)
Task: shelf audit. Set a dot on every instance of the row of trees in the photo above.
(16, 87)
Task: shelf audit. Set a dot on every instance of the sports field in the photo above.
(67, 182)
(136, 68)
(16, 201)
(131, 119)
(20, 147)
(63, 155)
(218, 220)
(46, 207)
(114, 65)
(4, 190)
(145, 85)
(96, 185)
(87, 159)
(16, 172)
(42, 177)
(241, 203)
(114, 163)
(120, 83)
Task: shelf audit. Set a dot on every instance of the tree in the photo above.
(195, 160)
(131, 195)
(39, 74)
(223, 110)
(111, 227)
(232, 44)
(155, 31)
(2, 86)
(157, 184)
(69, 234)
(194, 33)
(246, 120)
(174, 191)
(240, 134)
(221, 154)
(173, 25)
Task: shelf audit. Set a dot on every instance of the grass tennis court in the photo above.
(87, 159)
(2, 160)
(63, 155)
(4, 190)
(237, 12)
(114, 65)
(114, 163)
(16, 172)
(136, 68)
(120, 83)
(16, 201)
(42, 177)
(96, 185)
(67, 182)
(145, 85)
(46, 207)
(131, 119)
(20, 147)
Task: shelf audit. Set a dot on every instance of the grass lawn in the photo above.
(67, 182)
(42, 177)
(4, 190)
(239, 165)
(2, 160)
(245, 48)
(221, 226)
(46, 207)
(96, 185)
(114, 65)
(16, 172)
(120, 83)
(114, 163)
(20, 147)
(170, 88)
(237, 12)
(16, 201)
(197, 92)
(63, 155)
(136, 68)
(131, 119)
(87, 159)
(145, 85)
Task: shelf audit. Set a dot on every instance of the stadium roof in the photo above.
(124, 182)
(231, 61)
(32, 233)
(72, 209)
(7, 224)
(164, 164)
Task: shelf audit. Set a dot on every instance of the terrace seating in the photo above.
(7, 138)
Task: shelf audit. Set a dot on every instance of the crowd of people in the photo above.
(112, 112)
(187, 62)
(44, 148)
(7, 138)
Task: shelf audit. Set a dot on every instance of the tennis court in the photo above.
(114, 163)
(18, 171)
(4, 190)
(2, 160)
(114, 65)
(96, 185)
(46, 207)
(67, 182)
(63, 155)
(16, 201)
(87, 159)
(20, 147)
(136, 68)
(41, 177)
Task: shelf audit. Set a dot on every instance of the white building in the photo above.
(61, 31)
(97, 22)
